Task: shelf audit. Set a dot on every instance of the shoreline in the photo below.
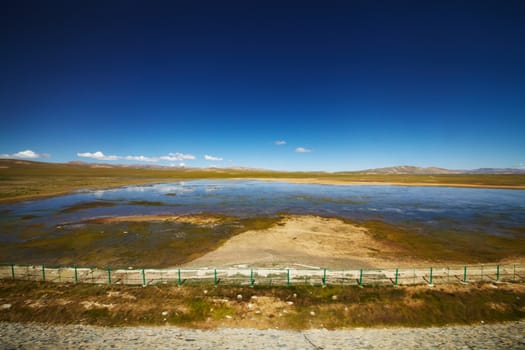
(316, 181)
(313, 181)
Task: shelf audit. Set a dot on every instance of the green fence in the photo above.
(263, 276)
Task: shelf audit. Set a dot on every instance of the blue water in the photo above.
(493, 211)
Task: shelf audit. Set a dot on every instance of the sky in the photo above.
(285, 85)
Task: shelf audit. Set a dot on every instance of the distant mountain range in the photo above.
(413, 170)
(395, 170)
(400, 170)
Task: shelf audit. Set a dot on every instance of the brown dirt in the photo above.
(305, 241)
(297, 307)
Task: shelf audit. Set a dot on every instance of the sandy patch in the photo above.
(303, 241)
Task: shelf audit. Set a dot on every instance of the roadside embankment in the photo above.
(508, 336)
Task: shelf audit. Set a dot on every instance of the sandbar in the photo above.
(307, 241)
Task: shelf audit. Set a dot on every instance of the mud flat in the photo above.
(308, 241)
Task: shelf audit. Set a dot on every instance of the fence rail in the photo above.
(262, 276)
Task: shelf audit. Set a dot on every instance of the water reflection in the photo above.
(499, 212)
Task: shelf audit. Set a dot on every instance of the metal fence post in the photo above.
(13, 271)
(430, 279)
(481, 272)
(324, 277)
(514, 273)
(215, 277)
(43, 273)
(497, 273)
(288, 278)
(465, 274)
(361, 277)
(252, 281)
(109, 275)
(76, 275)
(143, 277)
(179, 282)
(397, 274)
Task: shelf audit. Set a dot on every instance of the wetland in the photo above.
(171, 224)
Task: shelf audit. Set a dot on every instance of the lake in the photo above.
(430, 209)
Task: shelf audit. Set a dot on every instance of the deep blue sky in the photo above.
(351, 84)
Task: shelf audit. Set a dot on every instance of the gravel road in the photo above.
(37, 336)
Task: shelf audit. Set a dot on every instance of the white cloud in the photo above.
(212, 158)
(302, 150)
(98, 156)
(172, 157)
(27, 154)
(280, 142)
(141, 159)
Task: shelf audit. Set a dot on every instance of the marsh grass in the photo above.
(260, 307)
(147, 244)
(164, 243)
(445, 245)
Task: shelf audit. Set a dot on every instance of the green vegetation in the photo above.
(21, 180)
(123, 244)
(440, 245)
(165, 243)
(489, 180)
(298, 307)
